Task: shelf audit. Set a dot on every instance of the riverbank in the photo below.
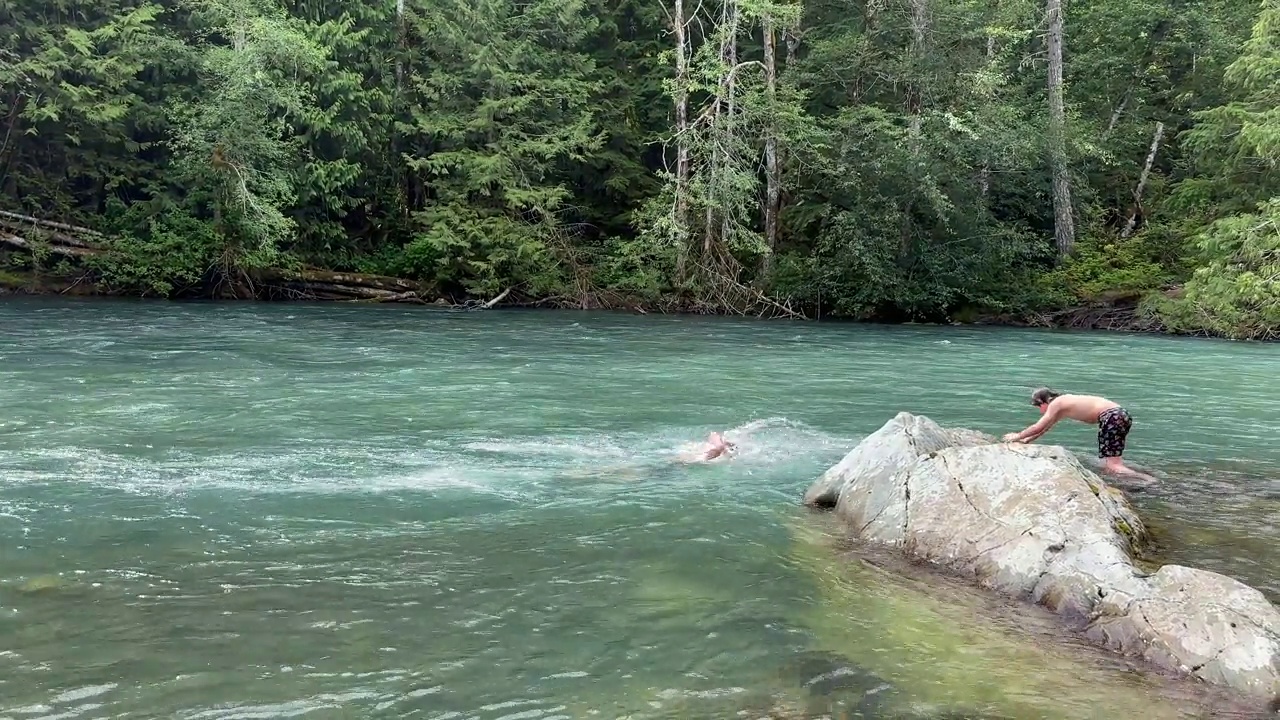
(45, 257)
(1121, 314)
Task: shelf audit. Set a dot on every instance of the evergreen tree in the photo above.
(891, 159)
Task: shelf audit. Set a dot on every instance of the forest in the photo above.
(1087, 163)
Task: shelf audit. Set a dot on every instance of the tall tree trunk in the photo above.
(400, 43)
(1064, 226)
(984, 177)
(915, 109)
(729, 52)
(773, 177)
(1119, 110)
(1142, 181)
(680, 26)
(915, 102)
(792, 37)
(727, 99)
(403, 179)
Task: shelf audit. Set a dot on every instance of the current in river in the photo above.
(218, 511)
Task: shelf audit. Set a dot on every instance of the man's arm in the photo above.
(1035, 431)
(1033, 438)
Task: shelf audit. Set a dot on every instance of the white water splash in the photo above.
(510, 467)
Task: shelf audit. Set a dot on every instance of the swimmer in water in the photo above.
(1112, 420)
(716, 447)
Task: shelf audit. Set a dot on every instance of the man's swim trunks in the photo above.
(1113, 428)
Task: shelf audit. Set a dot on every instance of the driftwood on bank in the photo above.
(21, 243)
(500, 297)
(31, 234)
(1124, 314)
(724, 293)
(721, 293)
(19, 220)
(313, 284)
(35, 236)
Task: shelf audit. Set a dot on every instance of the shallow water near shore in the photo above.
(235, 511)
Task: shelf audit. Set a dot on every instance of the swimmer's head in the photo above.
(1041, 398)
(715, 439)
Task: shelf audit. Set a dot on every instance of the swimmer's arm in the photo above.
(1040, 428)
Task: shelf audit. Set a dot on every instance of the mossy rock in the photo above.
(43, 584)
(933, 640)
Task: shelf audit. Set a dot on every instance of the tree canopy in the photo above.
(878, 159)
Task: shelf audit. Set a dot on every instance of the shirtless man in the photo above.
(1113, 423)
(716, 446)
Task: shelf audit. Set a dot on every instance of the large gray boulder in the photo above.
(1031, 522)
(895, 445)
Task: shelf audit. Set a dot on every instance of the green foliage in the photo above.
(233, 145)
(1107, 268)
(503, 100)
(477, 145)
(1236, 290)
(163, 257)
(71, 97)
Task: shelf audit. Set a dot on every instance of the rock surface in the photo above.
(1032, 522)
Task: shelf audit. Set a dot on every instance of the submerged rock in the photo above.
(825, 673)
(43, 584)
(945, 645)
(1031, 522)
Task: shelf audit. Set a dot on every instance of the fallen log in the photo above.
(32, 234)
(312, 276)
(28, 219)
(336, 291)
(501, 296)
(316, 284)
(409, 296)
(343, 293)
(68, 250)
(54, 237)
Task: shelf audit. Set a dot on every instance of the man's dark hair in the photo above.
(1043, 396)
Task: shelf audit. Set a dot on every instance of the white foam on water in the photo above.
(83, 693)
(295, 708)
(570, 467)
(778, 441)
(567, 448)
(673, 693)
(312, 471)
(567, 675)
(763, 441)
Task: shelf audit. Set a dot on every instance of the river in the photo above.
(224, 511)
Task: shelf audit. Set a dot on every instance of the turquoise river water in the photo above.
(258, 511)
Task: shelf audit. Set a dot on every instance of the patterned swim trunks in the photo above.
(1113, 429)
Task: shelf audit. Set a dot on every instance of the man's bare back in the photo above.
(1085, 408)
(1113, 421)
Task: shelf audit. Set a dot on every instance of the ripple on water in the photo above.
(290, 506)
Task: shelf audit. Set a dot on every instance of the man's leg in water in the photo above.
(1116, 466)
(1113, 432)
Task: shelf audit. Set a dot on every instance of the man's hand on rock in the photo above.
(1012, 437)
